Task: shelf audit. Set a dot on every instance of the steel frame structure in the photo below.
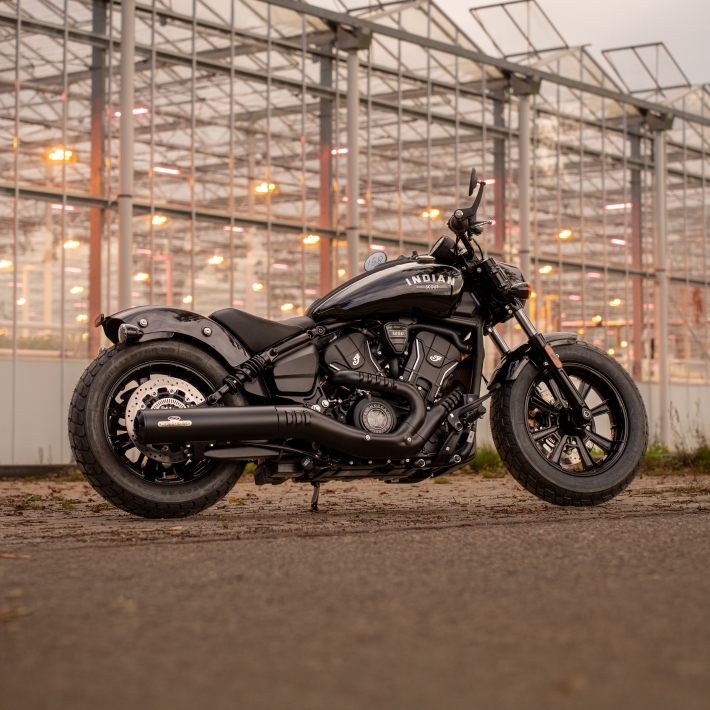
(243, 112)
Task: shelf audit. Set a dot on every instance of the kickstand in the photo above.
(314, 499)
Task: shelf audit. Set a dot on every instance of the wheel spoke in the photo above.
(544, 433)
(584, 455)
(600, 409)
(539, 403)
(557, 453)
(601, 441)
(584, 388)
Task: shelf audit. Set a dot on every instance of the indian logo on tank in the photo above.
(431, 281)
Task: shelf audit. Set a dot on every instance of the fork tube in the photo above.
(525, 323)
(497, 339)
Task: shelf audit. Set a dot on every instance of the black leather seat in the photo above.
(259, 333)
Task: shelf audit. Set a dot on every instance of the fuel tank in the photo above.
(398, 288)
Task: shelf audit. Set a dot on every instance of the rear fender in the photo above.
(162, 323)
(514, 362)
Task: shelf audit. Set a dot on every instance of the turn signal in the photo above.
(521, 290)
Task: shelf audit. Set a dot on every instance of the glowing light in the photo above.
(615, 302)
(547, 269)
(596, 319)
(138, 111)
(574, 297)
(187, 299)
(341, 273)
(166, 171)
(5, 263)
(76, 289)
(237, 302)
(620, 206)
(59, 206)
(82, 318)
(490, 181)
(580, 331)
(143, 251)
(593, 275)
(650, 306)
(361, 200)
(310, 291)
(624, 344)
(265, 187)
(257, 287)
(21, 301)
(377, 247)
(59, 154)
(141, 276)
(433, 213)
(159, 220)
(311, 239)
(339, 151)
(533, 294)
(216, 260)
(283, 267)
(618, 242)
(565, 234)
(228, 228)
(287, 307)
(611, 351)
(72, 244)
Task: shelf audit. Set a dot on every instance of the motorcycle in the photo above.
(382, 378)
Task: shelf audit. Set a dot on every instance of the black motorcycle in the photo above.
(380, 379)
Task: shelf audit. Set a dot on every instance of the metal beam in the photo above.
(353, 187)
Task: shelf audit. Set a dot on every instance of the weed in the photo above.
(225, 525)
(268, 502)
(441, 480)
(67, 505)
(487, 463)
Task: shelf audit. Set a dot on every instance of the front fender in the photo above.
(512, 363)
(165, 322)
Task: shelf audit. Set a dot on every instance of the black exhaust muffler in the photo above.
(232, 425)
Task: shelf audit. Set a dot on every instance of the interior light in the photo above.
(596, 319)
(5, 263)
(21, 301)
(432, 213)
(265, 187)
(490, 181)
(60, 206)
(547, 269)
(311, 239)
(166, 171)
(138, 111)
(618, 242)
(593, 275)
(82, 318)
(187, 299)
(76, 289)
(624, 344)
(159, 220)
(377, 247)
(229, 228)
(216, 260)
(59, 155)
(72, 244)
(565, 234)
(580, 331)
(574, 297)
(339, 151)
(141, 276)
(361, 200)
(611, 351)
(341, 272)
(287, 307)
(620, 206)
(615, 302)
(257, 287)
(282, 267)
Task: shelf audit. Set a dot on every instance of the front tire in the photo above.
(152, 482)
(551, 457)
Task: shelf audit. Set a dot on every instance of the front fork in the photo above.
(545, 357)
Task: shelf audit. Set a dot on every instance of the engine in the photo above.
(425, 359)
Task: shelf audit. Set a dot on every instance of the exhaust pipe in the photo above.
(232, 425)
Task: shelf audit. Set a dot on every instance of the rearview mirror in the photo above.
(473, 182)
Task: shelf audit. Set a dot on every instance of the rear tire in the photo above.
(557, 470)
(111, 473)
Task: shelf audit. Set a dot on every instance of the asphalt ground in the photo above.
(469, 594)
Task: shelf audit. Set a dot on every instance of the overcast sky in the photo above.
(683, 25)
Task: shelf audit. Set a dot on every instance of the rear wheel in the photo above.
(150, 481)
(553, 457)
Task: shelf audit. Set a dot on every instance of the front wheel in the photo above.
(553, 457)
(150, 481)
